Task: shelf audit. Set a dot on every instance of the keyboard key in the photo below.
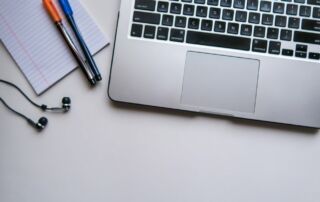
(227, 14)
(286, 35)
(202, 11)
(259, 45)
(301, 54)
(213, 2)
(239, 4)
(188, 9)
(136, 30)
(246, 30)
(225, 3)
(167, 20)
(314, 56)
(305, 11)
(287, 52)
(274, 47)
(300, 1)
(259, 31)
(181, 22)
(233, 28)
(281, 21)
(241, 16)
(162, 33)
(177, 35)
(316, 12)
(149, 18)
(292, 9)
(206, 25)
(278, 8)
(217, 40)
(219, 26)
(215, 13)
(193, 23)
(252, 5)
(265, 6)
(149, 5)
(267, 19)
(301, 48)
(313, 2)
(272, 33)
(199, 1)
(149, 32)
(175, 8)
(163, 6)
(254, 18)
(312, 25)
(294, 23)
(306, 37)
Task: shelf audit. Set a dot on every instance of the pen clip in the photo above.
(65, 5)
(52, 10)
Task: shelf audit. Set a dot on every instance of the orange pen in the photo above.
(54, 14)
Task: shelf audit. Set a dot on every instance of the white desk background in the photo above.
(102, 152)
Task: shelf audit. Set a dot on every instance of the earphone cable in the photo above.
(14, 111)
(24, 95)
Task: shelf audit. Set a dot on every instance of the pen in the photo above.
(53, 12)
(69, 14)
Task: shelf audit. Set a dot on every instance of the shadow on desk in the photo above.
(237, 121)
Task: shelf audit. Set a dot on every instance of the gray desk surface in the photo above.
(119, 153)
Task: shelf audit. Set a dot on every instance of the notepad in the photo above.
(34, 42)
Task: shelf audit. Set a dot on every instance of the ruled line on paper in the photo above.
(21, 45)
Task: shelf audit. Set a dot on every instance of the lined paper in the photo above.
(36, 45)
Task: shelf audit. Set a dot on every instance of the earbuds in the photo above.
(43, 121)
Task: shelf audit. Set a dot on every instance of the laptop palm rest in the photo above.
(220, 84)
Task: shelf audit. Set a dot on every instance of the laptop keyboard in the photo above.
(280, 27)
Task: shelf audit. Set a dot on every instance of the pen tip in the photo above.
(93, 82)
(98, 78)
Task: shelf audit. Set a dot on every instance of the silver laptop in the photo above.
(242, 58)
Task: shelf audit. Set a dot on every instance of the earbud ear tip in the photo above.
(43, 121)
(66, 100)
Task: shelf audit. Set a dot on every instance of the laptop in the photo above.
(250, 59)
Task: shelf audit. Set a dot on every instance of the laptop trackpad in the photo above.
(220, 83)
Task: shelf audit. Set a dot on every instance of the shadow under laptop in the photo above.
(237, 121)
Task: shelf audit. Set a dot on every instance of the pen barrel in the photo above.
(76, 53)
(84, 48)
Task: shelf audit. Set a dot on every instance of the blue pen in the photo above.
(69, 14)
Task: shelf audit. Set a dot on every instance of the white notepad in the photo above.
(34, 42)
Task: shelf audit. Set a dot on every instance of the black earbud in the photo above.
(66, 105)
(42, 123)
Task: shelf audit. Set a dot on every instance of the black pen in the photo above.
(69, 14)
